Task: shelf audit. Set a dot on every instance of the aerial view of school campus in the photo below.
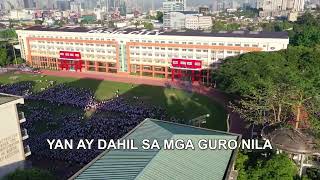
(160, 89)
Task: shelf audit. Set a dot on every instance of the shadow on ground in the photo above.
(180, 106)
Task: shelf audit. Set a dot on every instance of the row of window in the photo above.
(77, 38)
(243, 44)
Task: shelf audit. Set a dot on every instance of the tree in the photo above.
(306, 31)
(273, 85)
(137, 23)
(313, 173)
(19, 60)
(111, 24)
(278, 167)
(38, 22)
(3, 57)
(148, 26)
(8, 34)
(218, 26)
(159, 16)
(26, 174)
(264, 165)
(241, 164)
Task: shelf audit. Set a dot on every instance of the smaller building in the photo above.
(204, 10)
(186, 20)
(161, 163)
(178, 20)
(192, 22)
(205, 22)
(21, 14)
(13, 151)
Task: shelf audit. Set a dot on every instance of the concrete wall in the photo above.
(11, 145)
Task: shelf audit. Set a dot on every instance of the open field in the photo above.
(50, 118)
(178, 104)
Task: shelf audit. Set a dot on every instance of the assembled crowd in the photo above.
(112, 119)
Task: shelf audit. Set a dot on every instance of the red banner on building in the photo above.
(186, 63)
(70, 55)
(70, 61)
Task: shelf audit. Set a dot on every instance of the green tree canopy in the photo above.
(264, 165)
(38, 22)
(8, 34)
(159, 16)
(148, 26)
(3, 57)
(30, 174)
(273, 85)
(306, 31)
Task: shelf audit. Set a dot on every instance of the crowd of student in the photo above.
(111, 119)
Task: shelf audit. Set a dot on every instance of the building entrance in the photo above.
(186, 70)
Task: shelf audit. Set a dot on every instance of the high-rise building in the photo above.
(28, 3)
(11, 4)
(279, 7)
(13, 151)
(75, 7)
(174, 5)
(63, 5)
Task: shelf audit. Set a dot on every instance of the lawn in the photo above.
(179, 104)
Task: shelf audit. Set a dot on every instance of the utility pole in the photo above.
(14, 53)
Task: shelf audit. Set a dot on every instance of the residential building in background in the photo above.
(205, 22)
(176, 20)
(186, 20)
(174, 5)
(204, 10)
(279, 7)
(28, 4)
(75, 7)
(139, 52)
(21, 14)
(13, 151)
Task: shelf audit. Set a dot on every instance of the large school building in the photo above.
(187, 55)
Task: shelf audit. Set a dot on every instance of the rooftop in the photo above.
(163, 164)
(5, 98)
(240, 34)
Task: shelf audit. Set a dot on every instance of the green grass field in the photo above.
(179, 104)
